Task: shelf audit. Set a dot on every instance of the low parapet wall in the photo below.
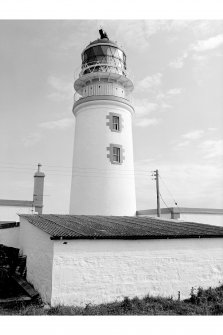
(9, 233)
(210, 216)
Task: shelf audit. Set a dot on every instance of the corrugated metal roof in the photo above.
(119, 227)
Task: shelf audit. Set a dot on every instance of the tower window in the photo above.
(116, 155)
(115, 123)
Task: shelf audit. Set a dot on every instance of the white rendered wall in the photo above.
(10, 237)
(212, 219)
(98, 271)
(162, 216)
(38, 248)
(99, 187)
(10, 213)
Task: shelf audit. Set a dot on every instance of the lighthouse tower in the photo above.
(103, 180)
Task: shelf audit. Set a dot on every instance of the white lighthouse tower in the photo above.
(103, 181)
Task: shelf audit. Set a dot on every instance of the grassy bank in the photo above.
(203, 302)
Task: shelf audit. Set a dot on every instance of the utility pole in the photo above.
(156, 177)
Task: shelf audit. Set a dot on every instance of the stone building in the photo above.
(76, 260)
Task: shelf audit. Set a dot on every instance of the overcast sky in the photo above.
(177, 69)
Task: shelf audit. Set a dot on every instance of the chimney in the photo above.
(38, 190)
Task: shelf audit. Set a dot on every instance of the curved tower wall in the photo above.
(101, 88)
(100, 185)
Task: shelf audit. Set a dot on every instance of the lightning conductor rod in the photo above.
(157, 192)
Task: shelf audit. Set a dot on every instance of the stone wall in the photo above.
(9, 234)
(212, 219)
(38, 248)
(97, 271)
(10, 213)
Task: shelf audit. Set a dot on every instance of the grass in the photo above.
(203, 302)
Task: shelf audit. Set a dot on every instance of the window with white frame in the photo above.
(116, 155)
(115, 123)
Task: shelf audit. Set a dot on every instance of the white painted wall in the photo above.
(212, 219)
(97, 271)
(38, 248)
(10, 237)
(10, 213)
(99, 187)
(163, 215)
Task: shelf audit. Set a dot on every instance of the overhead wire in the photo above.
(175, 202)
(169, 193)
(165, 203)
(58, 170)
(29, 166)
(76, 172)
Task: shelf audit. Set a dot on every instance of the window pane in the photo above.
(104, 49)
(115, 122)
(115, 150)
(109, 51)
(106, 54)
(116, 154)
(120, 54)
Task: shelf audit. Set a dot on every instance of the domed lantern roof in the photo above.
(103, 59)
(103, 39)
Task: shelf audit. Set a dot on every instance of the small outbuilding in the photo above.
(76, 260)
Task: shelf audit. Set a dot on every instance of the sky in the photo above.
(177, 70)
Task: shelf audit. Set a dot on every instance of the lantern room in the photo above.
(103, 54)
(103, 61)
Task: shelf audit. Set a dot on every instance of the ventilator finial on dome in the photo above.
(103, 34)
